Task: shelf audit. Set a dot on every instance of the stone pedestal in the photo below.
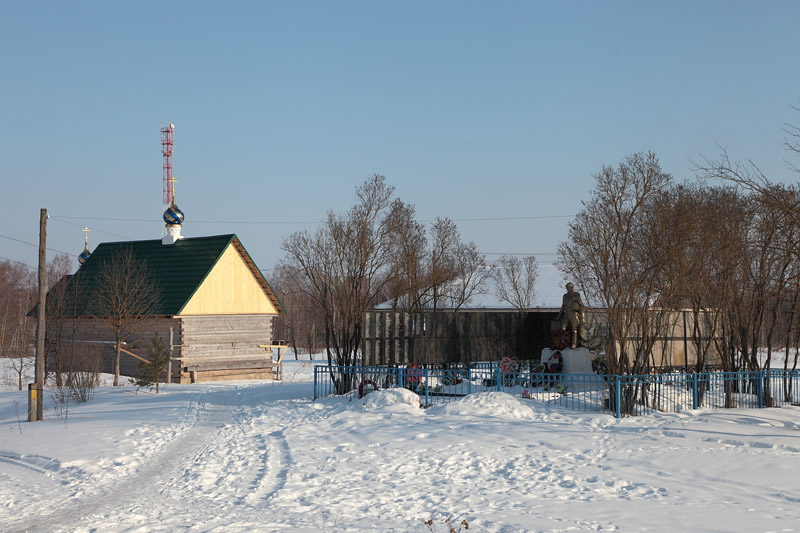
(576, 360)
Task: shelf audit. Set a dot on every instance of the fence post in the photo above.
(469, 379)
(618, 396)
(427, 387)
(694, 390)
(315, 382)
(760, 388)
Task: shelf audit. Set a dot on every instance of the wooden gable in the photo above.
(231, 287)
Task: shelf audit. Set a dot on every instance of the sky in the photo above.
(494, 114)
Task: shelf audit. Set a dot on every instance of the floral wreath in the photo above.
(365, 387)
(509, 364)
(560, 339)
(413, 376)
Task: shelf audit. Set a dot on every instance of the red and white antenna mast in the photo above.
(166, 149)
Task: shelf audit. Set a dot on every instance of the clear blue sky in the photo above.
(471, 109)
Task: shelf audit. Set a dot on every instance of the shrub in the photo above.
(152, 370)
(85, 372)
(448, 525)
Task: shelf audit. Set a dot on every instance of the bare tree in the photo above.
(286, 325)
(125, 295)
(408, 242)
(714, 239)
(443, 268)
(763, 310)
(57, 316)
(17, 296)
(472, 274)
(618, 247)
(515, 280)
(344, 264)
(457, 271)
(792, 142)
(300, 324)
(779, 197)
(611, 247)
(440, 272)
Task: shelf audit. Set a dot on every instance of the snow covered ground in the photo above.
(262, 456)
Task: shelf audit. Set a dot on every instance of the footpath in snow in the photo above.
(262, 456)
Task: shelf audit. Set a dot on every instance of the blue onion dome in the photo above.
(173, 216)
(84, 255)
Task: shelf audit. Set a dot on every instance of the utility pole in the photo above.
(35, 390)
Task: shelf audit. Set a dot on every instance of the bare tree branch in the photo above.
(124, 296)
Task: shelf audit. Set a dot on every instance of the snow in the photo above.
(493, 404)
(262, 456)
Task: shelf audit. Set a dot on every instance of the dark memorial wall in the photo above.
(400, 338)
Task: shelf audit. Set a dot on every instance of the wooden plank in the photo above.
(204, 367)
(230, 288)
(447, 337)
(123, 350)
(200, 377)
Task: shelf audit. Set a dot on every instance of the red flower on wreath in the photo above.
(560, 339)
(413, 376)
(509, 364)
(365, 387)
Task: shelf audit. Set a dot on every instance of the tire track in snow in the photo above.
(274, 479)
(93, 496)
(223, 464)
(38, 463)
(223, 467)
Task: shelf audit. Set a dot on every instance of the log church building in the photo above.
(215, 308)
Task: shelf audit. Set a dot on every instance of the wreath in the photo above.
(451, 377)
(554, 364)
(508, 364)
(560, 339)
(365, 387)
(413, 376)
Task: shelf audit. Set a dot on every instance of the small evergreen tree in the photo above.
(158, 356)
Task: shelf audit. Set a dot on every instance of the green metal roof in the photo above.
(178, 269)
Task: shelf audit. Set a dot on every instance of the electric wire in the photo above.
(36, 245)
(95, 229)
(26, 265)
(150, 220)
(290, 222)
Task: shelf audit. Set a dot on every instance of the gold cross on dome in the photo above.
(86, 231)
(173, 181)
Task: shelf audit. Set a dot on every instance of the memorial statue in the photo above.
(571, 315)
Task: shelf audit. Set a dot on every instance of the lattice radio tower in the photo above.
(166, 149)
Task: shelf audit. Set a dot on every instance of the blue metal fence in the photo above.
(617, 395)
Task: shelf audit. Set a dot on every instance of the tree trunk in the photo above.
(116, 364)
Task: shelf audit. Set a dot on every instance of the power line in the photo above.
(150, 220)
(35, 245)
(97, 230)
(491, 219)
(289, 222)
(521, 253)
(18, 240)
(26, 265)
